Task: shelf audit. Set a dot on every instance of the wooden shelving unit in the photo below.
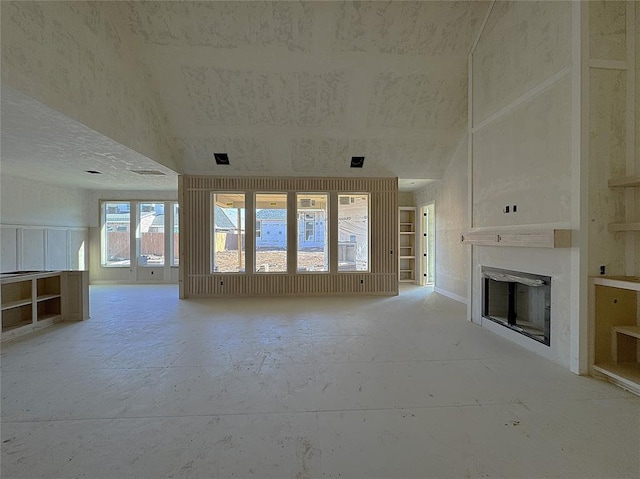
(615, 330)
(407, 244)
(32, 300)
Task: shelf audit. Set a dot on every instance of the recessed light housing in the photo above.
(93, 172)
(221, 158)
(357, 161)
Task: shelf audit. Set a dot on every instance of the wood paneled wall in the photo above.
(197, 280)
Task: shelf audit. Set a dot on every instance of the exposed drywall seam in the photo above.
(484, 24)
(608, 64)
(531, 94)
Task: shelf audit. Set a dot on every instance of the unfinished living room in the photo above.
(320, 239)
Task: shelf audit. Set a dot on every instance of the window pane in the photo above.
(271, 232)
(151, 241)
(116, 234)
(353, 232)
(313, 231)
(228, 232)
(176, 236)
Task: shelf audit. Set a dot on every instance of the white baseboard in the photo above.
(453, 296)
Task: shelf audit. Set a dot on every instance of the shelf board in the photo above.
(6, 329)
(624, 182)
(626, 375)
(613, 227)
(16, 304)
(407, 257)
(623, 282)
(45, 297)
(407, 232)
(48, 317)
(633, 331)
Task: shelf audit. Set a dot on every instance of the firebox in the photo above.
(519, 301)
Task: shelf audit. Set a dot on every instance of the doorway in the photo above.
(428, 244)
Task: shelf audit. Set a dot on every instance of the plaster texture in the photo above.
(451, 210)
(403, 386)
(43, 226)
(523, 158)
(81, 58)
(607, 33)
(522, 44)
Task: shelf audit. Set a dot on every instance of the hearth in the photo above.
(519, 301)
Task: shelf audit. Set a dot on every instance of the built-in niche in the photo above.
(519, 301)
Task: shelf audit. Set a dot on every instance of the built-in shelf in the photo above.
(613, 227)
(407, 241)
(35, 299)
(16, 304)
(624, 182)
(615, 330)
(539, 238)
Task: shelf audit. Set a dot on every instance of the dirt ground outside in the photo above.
(272, 261)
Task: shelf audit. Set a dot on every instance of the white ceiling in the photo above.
(285, 88)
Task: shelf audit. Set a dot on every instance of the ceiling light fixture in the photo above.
(221, 158)
(357, 161)
(93, 172)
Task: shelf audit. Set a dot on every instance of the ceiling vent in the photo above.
(221, 158)
(148, 172)
(357, 161)
(93, 172)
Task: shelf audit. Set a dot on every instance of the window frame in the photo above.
(212, 250)
(327, 232)
(352, 194)
(104, 229)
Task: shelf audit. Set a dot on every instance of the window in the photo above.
(228, 232)
(116, 238)
(271, 232)
(175, 259)
(313, 231)
(151, 234)
(353, 232)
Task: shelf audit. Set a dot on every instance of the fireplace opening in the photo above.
(518, 301)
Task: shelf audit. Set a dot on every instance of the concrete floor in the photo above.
(398, 387)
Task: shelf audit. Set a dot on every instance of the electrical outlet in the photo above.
(506, 209)
(221, 283)
(515, 208)
(603, 268)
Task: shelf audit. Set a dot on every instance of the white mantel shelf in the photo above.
(538, 238)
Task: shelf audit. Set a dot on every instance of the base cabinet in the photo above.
(36, 299)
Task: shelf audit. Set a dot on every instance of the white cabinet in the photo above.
(407, 244)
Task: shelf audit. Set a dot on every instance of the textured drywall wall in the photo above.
(81, 59)
(406, 198)
(523, 44)
(25, 202)
(524, 158)
(523, 155)
(43, 226)
(608, 141)
(451, 210)
(606, 160)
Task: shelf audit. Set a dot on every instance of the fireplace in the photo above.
(519, 301)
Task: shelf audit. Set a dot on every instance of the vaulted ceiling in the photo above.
(298, 88)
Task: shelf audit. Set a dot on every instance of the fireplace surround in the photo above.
(519, 301)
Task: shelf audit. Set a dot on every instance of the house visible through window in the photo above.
(313, 231)
(271, 223)
(150, 239)
(353, 232)
(228, 235)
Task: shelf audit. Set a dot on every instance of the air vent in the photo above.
(93, 172)
(148, 172)
(221, 158)
(357, 161)
(344, 200)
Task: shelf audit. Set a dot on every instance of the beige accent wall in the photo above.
(81, 59)
(450, 196)
(197, 280)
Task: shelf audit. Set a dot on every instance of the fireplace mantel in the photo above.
(530, 238)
